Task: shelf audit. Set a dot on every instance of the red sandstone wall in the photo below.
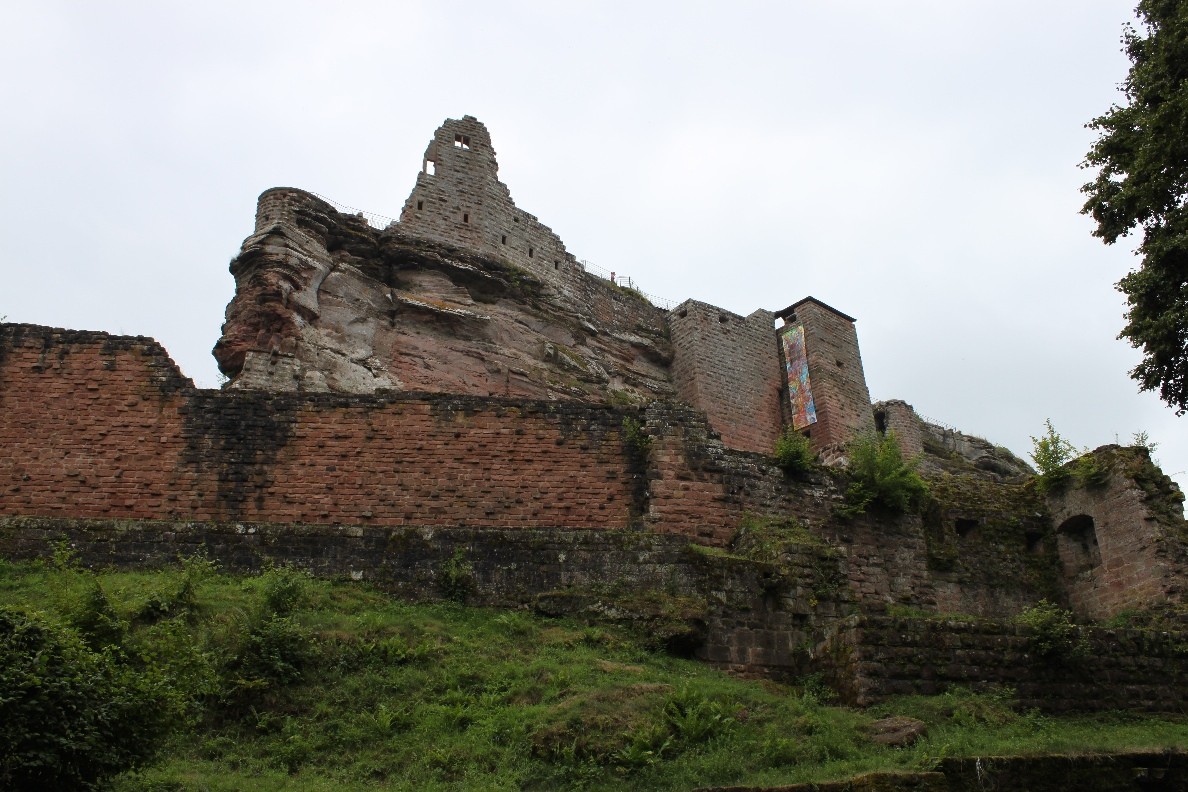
(96, 426)
(88, 423)
(729, 366)
(835, 369)
(900, 418)
(1116, 554)
(104, 427)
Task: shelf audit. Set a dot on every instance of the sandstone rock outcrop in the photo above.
(326, 302)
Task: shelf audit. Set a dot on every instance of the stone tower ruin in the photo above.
(731, 367)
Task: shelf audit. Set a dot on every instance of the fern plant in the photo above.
(881, 478)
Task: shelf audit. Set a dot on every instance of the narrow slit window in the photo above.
(465, 217)
(529, 252)
(420, 205)
(503, 239)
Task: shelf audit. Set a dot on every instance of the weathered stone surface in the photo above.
(897, 731)
(873, 657)
(325, 302)
(1120, 533)
(942, 449)
(470, 294)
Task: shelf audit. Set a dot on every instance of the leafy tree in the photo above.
(1142, 182)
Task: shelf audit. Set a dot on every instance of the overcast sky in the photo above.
(912, 163)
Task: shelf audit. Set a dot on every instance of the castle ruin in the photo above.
(458, 383)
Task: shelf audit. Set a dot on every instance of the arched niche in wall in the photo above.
(1076, 540)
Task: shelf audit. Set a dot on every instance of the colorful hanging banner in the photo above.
(800, 392)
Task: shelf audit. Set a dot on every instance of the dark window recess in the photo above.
(529, 252)
(722, 319)
(683, 313)
(1076, 539)
(420, 205)
(462, 141)
(880, 417)
(1035, 542)
(503, 239)
(556, 265)
(465, 217)
(965, 527)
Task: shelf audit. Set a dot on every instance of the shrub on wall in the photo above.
(881, 478)
(1052, 453)
(637, 439)
(794, 453)
(1054, 636)
(455, 577)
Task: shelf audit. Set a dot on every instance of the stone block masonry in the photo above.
(105, 427)
(899, 418)
(1121, 540)
(96, 426)
(729, 367)
(459, 199)
(876, 656)
(835, 368)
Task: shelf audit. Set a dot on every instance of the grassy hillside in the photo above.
(282, 682)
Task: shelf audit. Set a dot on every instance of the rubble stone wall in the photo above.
(877, 656)
(727, 611)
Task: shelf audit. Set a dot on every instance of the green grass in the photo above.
(295, 683)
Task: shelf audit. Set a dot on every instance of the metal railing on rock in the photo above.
(625, 281)
(374, 220)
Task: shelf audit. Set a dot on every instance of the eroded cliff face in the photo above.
(325, 302)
